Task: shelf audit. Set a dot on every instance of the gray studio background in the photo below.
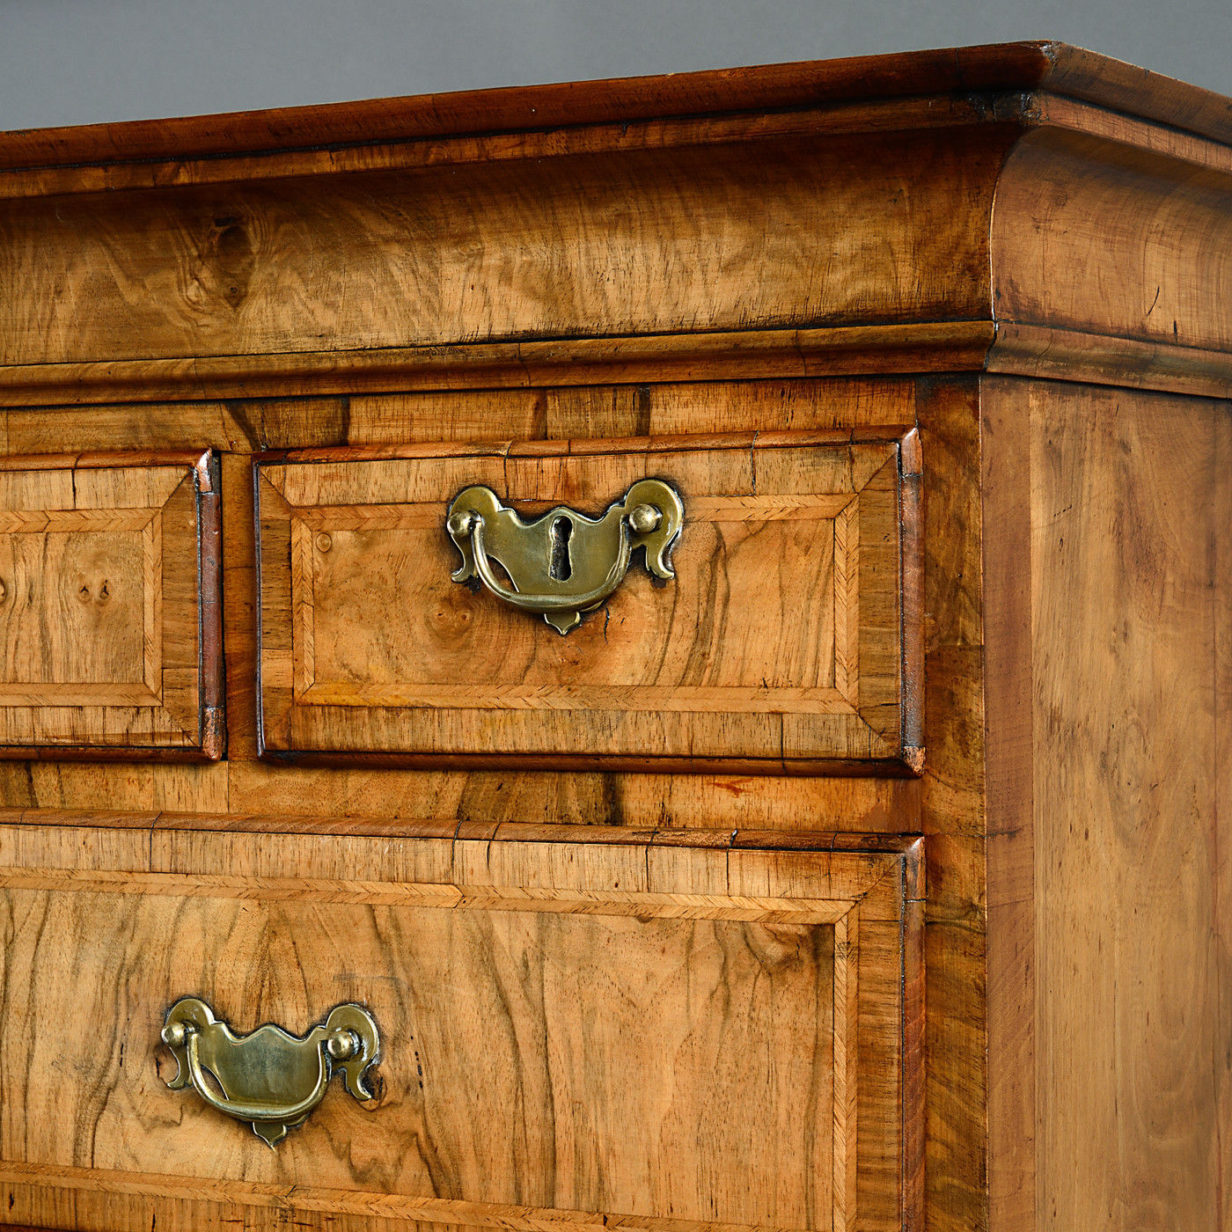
(82, 61)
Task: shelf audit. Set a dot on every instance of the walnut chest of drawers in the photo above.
(842, 850)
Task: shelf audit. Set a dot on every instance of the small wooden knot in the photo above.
(83, 594)
(324, 542)
(4, 592)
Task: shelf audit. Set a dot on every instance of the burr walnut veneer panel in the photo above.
(697, 1035)
(108, 605)
(780, 641)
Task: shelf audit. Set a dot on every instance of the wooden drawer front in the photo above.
(780, 642)
(109, 616)
(677, 1036)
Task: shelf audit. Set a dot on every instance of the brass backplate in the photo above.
(563, 563)
(270, 1078)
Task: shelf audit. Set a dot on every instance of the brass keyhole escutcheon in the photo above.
(563, 564)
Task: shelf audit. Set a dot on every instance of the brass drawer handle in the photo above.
(269, 1077)
(563, 563)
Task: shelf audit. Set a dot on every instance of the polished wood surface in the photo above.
(109, 607)
(1016, 81)
(781, 354)
(1010, 260)
(369, 647)
(688, 1033)
(1104, 846)
(922, 177)
(499, 250)
(1057, 209)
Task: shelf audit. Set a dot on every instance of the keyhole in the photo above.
(561, 568)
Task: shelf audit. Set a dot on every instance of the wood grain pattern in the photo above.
(1140, 651)
(1221, 516)
(373, 800)
(664, 132)
(108, 606)
(658, 799)
(564, 996)
(203, 255)
(715, 665)
(758, 89)
(1122, 743)
(952, 809)
(794, 250)
(1069, 201)
(1061, 354)
(481, 367)
(564, 412)
(1007, 81)
(432, 259)
(1009, 784)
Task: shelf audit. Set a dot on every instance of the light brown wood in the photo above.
(203, 255)
(109, 606)
(1057, 209)
(981, 258)
(369, 647)
(1143, 662)
(1009, 782)
(562, 412)
(952, 807)
(735, 355)
(1221, 514)
(433, 260)
(563, 996)
(1105, 864)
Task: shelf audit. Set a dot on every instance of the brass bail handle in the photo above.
(269, 1077)
(563, 563)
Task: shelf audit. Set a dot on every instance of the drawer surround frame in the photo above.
(868, 888)
(204, 686)
(902, 440)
